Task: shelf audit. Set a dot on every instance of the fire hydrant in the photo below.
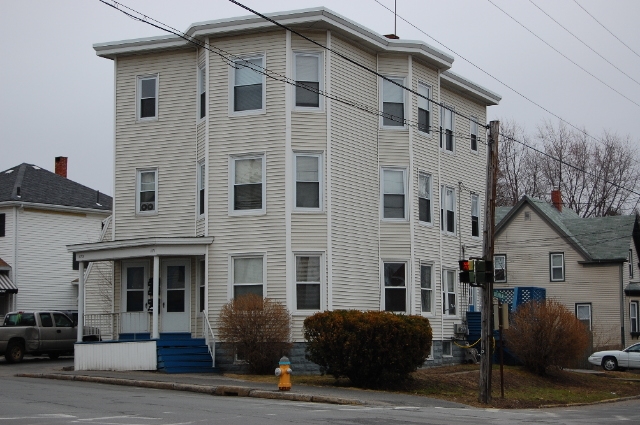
(284, 373)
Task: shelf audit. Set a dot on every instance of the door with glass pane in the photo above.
(176, 296)
(134, 317)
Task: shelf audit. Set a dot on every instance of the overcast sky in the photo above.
(56, 95)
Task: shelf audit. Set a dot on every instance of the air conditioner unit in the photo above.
(147, 206)
(460, 328)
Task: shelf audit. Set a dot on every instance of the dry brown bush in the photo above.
(546, 334)
(257, 328)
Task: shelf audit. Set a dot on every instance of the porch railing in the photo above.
(209, 336)
(109, 326)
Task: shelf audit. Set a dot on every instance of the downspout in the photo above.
(622, 333)
(440, 215)
(15, 256)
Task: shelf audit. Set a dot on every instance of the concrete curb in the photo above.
(221, 390)
(611, 400)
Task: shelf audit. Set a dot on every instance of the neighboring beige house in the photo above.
(228, 181)
(588, 264)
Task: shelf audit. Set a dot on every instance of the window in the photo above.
(248, 84)
(583, 313)
(201, 286)
(393, 188)
(424, 197)
(3, 220)
(392, 103)
(62, 321)
(446, 349)
(308, 181)
(424, 108)
(395, 287)
(248, 275)
(633, 316)
(630, 264)
(20, 319)
(556, 266)
(247, 177)
(202, 91)
(475, 223)
(308, 282)
(474, 134)
(446, 129)
(148, 97)
(426, 289)
(448, 210)
(201, 181)
(75, 265)
(147, 191)
(46, 320)
(135, 286)
(449, 292)
(307, 76)
(500, 268)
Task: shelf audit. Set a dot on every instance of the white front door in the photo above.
(134, 316)
(176, 296)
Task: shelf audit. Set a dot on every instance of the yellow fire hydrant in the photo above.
(284, 373)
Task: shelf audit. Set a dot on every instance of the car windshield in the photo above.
(20, 319)
(633, 349)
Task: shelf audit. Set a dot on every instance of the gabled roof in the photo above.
(30, 184)
(597, 239)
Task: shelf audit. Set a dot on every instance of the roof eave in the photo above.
(52, 207)
(470, 89)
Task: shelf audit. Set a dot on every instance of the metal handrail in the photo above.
(209, 336)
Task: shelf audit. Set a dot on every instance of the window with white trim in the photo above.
(424, 197)
(307, 77)
(446, 128)
(393, 193)
(449, 301)
(247, 180)
(633, 316)
(424, 108)
(201, 192)
(3, 218)
(308, 282)
(500, 268)
(147, 97)
(202, 91)
(201, 286)
(308, 171)
(395, 287)
(474, 134)
(583, 313)
(426, 289)
(475, 219)
(248, 275)
(448, 210)
(556, 266)
(147, 191)
(248, 84)
(630, 263)
(392, 103)
(447, 349)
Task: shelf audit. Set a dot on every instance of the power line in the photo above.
(562, 54)
(586, 45)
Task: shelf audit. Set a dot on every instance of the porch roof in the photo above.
(144, 247)
(6, 285)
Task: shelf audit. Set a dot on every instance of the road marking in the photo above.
(405, 407)
(43, 416)
(622, 418)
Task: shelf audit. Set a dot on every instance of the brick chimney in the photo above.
(556, 199)
(61, 166)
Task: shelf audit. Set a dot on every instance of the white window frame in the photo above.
(239, 255)
(232, 179)
(201, 203)
(446, 293)
(123, 284)
(443, 128)
(323, 307)
(319, 156)
(430, 198)
(450, 350)
(582, 305)
(422, 102)
(201, 279)
(405, 194)
(630, 263)
(232, 82)
(633, 318)
(202, 89)
(401, 81)
(139, 172)
(320, 57)
(475, 197)
(407, 273)
(430, 312)
(473, 131)
(495, 263)
(139, 79)
(551, 267)
(443, 216)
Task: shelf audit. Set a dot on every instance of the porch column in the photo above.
(80, 301)
(156, 300)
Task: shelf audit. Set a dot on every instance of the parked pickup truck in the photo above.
(37, 333)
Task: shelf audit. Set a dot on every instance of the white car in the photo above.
(617, 359)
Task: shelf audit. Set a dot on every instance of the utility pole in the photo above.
(487, 290)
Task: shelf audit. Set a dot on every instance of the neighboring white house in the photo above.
(228, 181)
(40, 213)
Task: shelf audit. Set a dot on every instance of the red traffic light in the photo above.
(465, 265)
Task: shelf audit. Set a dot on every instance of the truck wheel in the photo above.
(54, 356)
(15, 352)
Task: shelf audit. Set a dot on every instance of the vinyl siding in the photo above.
(7, 243)
(200, 156)
(99, 288)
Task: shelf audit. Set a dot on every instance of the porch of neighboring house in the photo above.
(157, 319)
(8, 289)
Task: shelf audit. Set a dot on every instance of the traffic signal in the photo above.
(476, 272)
(467, 274)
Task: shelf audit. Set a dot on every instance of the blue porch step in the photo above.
(180, 353)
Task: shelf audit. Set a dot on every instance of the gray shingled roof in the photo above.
(37, 185)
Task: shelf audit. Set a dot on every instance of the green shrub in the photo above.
(370, 348)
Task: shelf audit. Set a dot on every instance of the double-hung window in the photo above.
(147, 191)
(500, 268)
(446, 128)
(633, 316)
(201, 186)
(307, 76)
(248, 275)
(395, 287)
(426, 289)
(556, 266)
(248, 84)
(448, 210)
(424, 197)
(474, 134)
(475, 223)
(448, 292)
(308, 181)
(147, 97)
(308, 282)
(424, 108)
(247, 177)
(630, 264)
(583, 313)
(392, 103)
(393, 193)
(202, 91)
